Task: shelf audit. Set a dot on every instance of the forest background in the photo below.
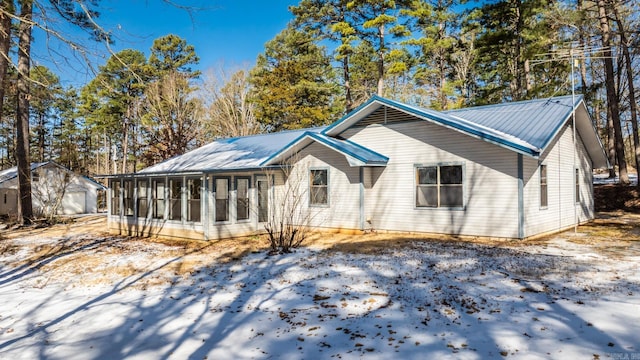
(141, 109)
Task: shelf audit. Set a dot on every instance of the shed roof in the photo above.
(12, 173)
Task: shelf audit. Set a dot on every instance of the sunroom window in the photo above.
(193, 199)
(222, 199)
(242, 198)
(175, 199)
(158, 199)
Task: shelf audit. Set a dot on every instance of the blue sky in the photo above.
(232, 32)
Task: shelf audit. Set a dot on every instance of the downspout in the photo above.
(520, 197)
(205, 204)
(361, 169)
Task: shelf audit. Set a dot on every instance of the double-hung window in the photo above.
(242, 198)
(319, 187)
(115, 197)
(544, 192)
(193, 199)
(439, 186)
(577, 185)
(175, 199)
(222, 199)
(143, 199)
(158, 198)
(128, 197)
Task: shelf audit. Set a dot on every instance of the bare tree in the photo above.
(289, 220)
(50, 194)
(171, 119)
(228, 112)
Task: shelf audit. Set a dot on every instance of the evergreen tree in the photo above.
(45, 89)
(294, 83)
(111, 101)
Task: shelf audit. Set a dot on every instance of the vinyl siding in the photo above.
(490, 180)
(343, 209)
(559, 214)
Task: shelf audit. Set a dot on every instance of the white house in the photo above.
(48, 182)
(513, 170)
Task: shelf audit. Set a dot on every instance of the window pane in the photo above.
(128, 197)
(543, 186)
(175, 209)
(427, 196)
(193, 199)
(158, 199)
(194, 188)
(222, 188)
(222, 199)
(319, 177)
(451, 174)
(577, 185)
(143, 205)
(242, 203)
(428, 175)
(319, 195)
(115, 198)
(263, 200)
(451, 196)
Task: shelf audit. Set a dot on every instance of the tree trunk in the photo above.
(5, 43)
(347, 84)
(612, 97)
(632, 93)
(381, 61)
(25, 210)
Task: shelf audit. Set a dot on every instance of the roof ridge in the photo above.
(521, 102)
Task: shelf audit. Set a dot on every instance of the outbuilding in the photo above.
(54, 190)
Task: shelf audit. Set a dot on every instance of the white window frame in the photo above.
(311, 187)
(544, 204)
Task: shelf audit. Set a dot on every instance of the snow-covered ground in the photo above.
(601, 179)
(560, 299)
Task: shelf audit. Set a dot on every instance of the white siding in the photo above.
(343, 210)
(559, 214)
(490, 181)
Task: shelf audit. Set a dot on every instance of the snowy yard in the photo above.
(73, 293)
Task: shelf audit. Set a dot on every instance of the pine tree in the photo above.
(294, 83)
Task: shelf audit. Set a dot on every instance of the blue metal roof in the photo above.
(534, 121)
(449, 120)
(355, 152)
(526, 127)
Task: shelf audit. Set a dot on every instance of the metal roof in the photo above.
(526, 127)
(451, 121)
(533, 121)
(246, 152)
(356, 154)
